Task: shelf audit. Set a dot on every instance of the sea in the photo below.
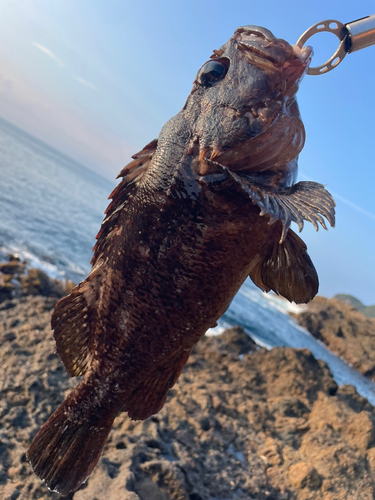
(51, 208)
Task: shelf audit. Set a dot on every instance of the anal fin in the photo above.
(149, 397)
(287, 269)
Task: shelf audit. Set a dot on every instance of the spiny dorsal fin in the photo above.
(139, 159)
(287, 269)
(74, 319)
(131, 174)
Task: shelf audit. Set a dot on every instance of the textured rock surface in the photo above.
(264, 425)
(17, 280)
(344, 330)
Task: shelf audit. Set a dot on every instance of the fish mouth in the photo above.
(269, 53)
(299, 63)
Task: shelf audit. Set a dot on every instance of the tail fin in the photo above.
(69, 445)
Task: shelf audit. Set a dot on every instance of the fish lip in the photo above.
(304, 52)
(261, 53)
(299, 56)
(295, 67)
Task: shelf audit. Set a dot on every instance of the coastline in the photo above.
(241, 422)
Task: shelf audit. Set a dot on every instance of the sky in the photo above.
(97, 80)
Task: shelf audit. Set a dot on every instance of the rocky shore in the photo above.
(344, 330)
(241, 423)
(17, 280)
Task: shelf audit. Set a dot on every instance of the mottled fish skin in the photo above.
(198, 210)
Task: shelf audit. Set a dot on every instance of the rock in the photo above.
(294, 373)
(37, 282)
(6, 290)
(332, 413)
(233, 340)
(111, 484)
(370, 455)
(13, 267)
(303, 475)
(236, 341)
(344, 330)
(10, 273)
(16, 280)
(261, 425)
(271, 453)
(10, 492)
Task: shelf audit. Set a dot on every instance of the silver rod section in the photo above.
(361, 33)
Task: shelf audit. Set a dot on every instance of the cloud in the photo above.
(50, 54)
(84, 82)
(62, 65)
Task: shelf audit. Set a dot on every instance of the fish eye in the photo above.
(212, 72)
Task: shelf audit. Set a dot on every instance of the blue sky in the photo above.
(97, 80)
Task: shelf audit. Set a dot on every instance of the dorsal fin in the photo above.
(286, 268)
(131, 175)
(74, 319)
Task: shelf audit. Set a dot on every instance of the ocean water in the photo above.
(51, 209)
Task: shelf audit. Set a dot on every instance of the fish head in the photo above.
(244, 105)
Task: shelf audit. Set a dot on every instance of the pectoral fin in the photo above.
(305, 200)
(287, 269)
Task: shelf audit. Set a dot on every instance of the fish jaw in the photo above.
(296, 68)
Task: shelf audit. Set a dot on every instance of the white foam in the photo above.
(265, 319)
(32, 260)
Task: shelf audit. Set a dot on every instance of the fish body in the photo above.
(198, 210)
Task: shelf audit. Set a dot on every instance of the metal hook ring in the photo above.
(338, 29)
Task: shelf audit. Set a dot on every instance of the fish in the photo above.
(207, 204)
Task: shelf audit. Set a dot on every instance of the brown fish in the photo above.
(207, 204)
